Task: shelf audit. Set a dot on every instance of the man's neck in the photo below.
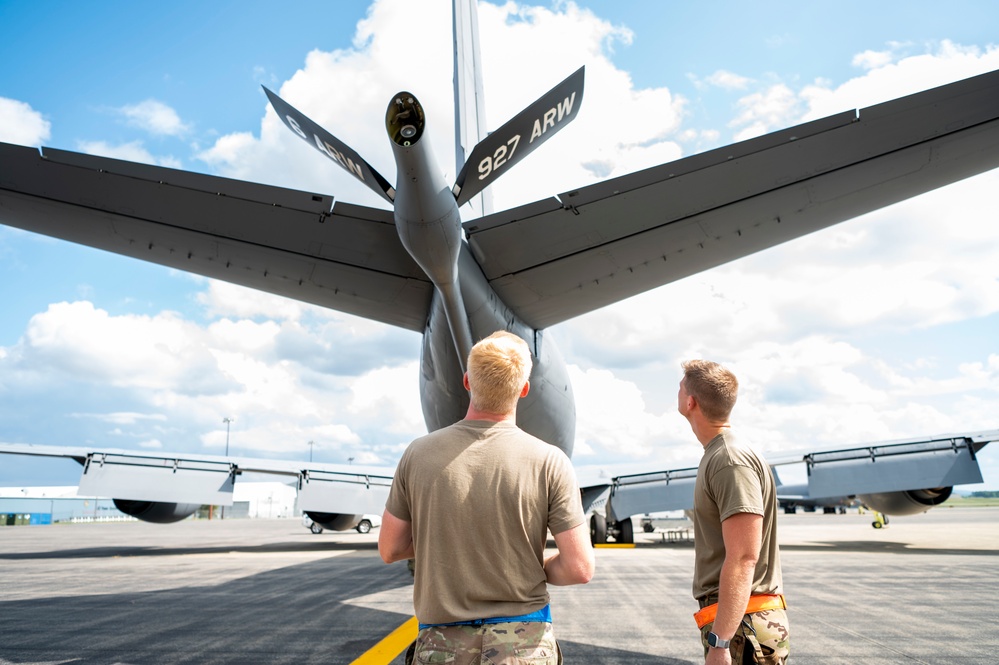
(706, 432)
(476, 414)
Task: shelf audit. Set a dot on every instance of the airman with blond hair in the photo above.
(499, 368)
(473, 504)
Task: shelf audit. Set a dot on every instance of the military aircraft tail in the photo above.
(521, 135)
(489, 159)
(469, 100)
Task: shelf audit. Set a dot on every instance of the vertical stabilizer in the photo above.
(469, 103)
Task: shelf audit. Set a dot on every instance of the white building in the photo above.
(250, 500)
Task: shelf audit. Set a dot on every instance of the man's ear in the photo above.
(464, 382)
(526, 389)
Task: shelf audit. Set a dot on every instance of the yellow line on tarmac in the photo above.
(391, 646)
(611, 546)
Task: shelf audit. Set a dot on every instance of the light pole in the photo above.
(350, 460)
(227, 420)
(311, 443)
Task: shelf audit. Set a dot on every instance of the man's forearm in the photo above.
(573, 563)
(559, 574)
(742, 534)
(733, 595)
(399, 555)
(395, 539)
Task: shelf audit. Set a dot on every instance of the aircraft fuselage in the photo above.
(464, 307)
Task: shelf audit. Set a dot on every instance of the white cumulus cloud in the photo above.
(21, 124)
(133, 151)
(155, 117)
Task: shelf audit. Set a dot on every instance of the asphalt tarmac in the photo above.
(924, 590)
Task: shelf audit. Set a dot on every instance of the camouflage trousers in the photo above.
(511, 643)
(762, 639)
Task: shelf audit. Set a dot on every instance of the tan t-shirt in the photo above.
(481, 497)
(733, 478)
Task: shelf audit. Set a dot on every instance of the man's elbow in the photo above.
(576, 560)
(743, 565)
(388, 553)
(591, 567)
(584, 576)
(395, 539)
(582, 571)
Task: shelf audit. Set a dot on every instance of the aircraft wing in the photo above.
(555, 259)
(290, 243)
(188, 478)
(890, 474)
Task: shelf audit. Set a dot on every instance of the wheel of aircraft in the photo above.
(625, 532)
(315, 528)
(880, 520)
(364, 526)
(598, 529)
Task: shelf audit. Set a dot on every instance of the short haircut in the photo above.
(498, 368)
(714, 387)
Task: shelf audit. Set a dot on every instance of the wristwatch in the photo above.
(717, 642)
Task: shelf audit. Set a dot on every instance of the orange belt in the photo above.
(706, 615)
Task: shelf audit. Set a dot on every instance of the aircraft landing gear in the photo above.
(622, 532)
(880, 520)
(598, 529)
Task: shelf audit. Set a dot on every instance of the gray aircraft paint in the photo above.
(524, 269)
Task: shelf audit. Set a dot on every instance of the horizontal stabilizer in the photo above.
(552, 260)
(290, 243)
(518, 137)
(338, 151)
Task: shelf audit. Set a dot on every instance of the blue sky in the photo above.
(883, 327)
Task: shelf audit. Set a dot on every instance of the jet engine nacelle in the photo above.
(155, 511)
(909, 502)
(334, 521)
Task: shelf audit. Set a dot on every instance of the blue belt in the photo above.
(544, 615)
